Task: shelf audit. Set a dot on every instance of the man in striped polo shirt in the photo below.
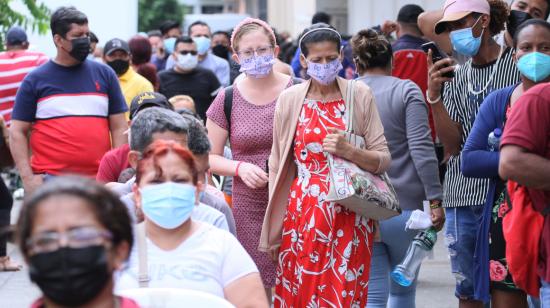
(71, 107)
(15, 63)
(471, 25)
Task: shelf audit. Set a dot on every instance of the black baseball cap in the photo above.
(408, 14)
(16, 36)
(114, 45)
(148, 99)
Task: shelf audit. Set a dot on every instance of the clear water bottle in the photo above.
(493, 140)
(405, 272)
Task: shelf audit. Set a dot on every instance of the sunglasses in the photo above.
(185, 52)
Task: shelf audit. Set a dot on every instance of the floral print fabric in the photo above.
(498, 267)
(324, 258)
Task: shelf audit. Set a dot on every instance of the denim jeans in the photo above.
(460, 238)
(383, 291)
(545, 294)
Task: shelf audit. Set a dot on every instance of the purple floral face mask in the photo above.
(258, 66)
(324, 73)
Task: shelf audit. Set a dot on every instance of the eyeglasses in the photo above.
(260, 52)
(186, 52)
(75, 238)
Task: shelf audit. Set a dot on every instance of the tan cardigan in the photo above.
(282, 169)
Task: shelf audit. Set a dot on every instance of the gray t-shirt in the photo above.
(414, 170)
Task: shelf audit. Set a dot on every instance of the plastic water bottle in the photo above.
(493, 140)
(405, 273)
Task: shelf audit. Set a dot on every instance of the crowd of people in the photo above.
(202, 161)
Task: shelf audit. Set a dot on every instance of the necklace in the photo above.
(471, 88)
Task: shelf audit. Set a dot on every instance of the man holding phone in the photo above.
(471, 25)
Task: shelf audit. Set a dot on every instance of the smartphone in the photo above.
(437, 54)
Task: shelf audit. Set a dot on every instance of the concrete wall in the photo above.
(349, 16)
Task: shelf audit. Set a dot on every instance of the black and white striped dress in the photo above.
(463, 105)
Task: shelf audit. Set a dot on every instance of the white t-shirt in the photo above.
(208, 261)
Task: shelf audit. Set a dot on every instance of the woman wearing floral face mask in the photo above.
(180, 252)
(323, 249)
(248, 126)
(74, 234)
(479, 160)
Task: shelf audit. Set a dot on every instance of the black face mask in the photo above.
(119, 66)
(81, 48)
(71, 276)
(221, 51)
(515, 19)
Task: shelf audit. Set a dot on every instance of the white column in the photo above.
(290, 15)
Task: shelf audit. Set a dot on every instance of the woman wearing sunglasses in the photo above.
(74, 234)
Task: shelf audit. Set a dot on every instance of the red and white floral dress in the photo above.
(325, 254)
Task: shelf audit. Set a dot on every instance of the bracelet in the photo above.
(237, 169)
(435, 204)
(435, 101)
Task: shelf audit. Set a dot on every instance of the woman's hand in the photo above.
(253, 176)
(335, 143)
(438, 218)
(435, 75)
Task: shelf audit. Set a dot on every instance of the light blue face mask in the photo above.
(464, 42)
(535, 66)
(203, 44)
(169, 204)
(169, 45)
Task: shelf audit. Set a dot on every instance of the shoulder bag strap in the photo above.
(350, 105)
(143, 275)
(228, 106)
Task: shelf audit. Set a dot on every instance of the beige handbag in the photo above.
(360, 191)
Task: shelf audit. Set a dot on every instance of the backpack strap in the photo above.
(228, 106)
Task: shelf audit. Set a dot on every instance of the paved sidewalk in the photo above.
(435, 288)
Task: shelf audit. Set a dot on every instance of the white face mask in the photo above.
(187, 62)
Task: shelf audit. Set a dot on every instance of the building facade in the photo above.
(348, 16)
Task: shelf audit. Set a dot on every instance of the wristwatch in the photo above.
(435, 204)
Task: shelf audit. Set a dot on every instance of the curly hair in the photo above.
(499, 15)
(370, 50)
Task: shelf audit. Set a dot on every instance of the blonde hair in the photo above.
(249, 25)
(174, 100)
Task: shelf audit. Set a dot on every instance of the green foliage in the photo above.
(38, 21)
(152, 13)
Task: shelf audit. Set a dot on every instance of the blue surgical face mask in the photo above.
(169, 204)
(535, 66)
(203, 44)
(464, 42)
(169, 45)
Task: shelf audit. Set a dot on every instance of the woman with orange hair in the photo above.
(200, 256)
